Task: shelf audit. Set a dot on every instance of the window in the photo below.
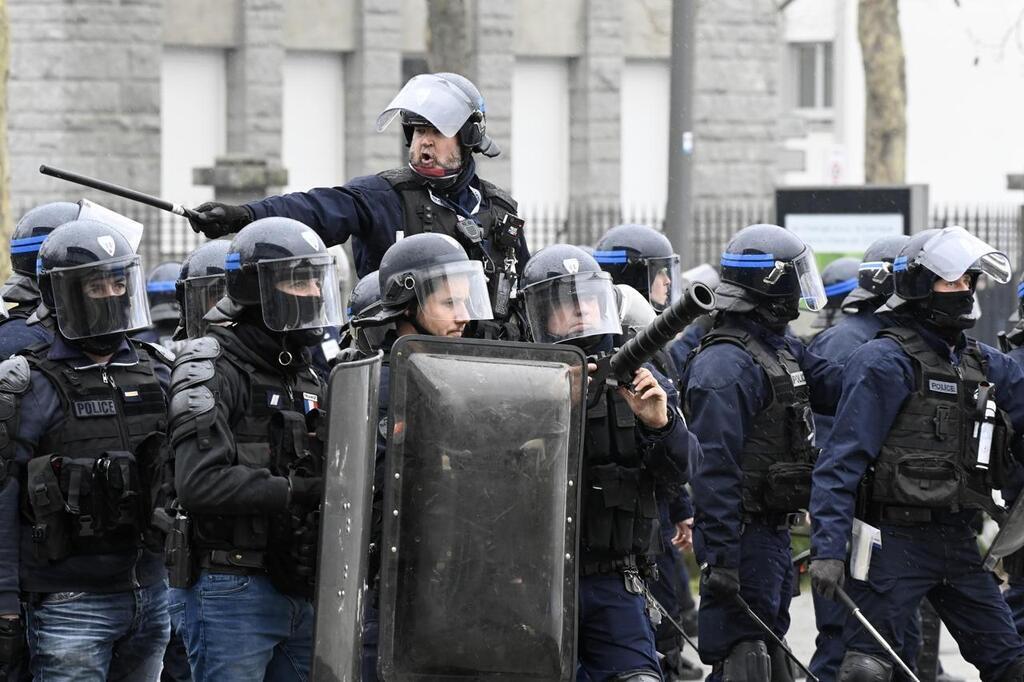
(811, 68)
(313, 120)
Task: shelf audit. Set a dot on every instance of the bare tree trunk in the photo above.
(6, 220)
(885, 134)
(449, 38)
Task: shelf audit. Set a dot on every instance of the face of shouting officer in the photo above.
(430, 152)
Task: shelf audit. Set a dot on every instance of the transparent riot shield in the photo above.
(345, 519)
(1010, 537)
(481, 511)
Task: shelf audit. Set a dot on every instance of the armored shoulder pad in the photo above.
(195, 365)
(203, 348)
(14, 375)
(157, 351)
(190, 404)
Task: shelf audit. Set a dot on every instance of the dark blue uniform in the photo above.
(367, 209)
(682, 347)
(836, 344)
(16, 334)
(725, 390)
(1015, 594)
(939, 559)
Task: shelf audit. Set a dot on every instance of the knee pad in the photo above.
(637, 676)
(860, 667)
(1015, 673)
(747, 662)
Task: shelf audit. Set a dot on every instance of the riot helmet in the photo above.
(31, 232)
(874, 274)
(429, 277)
(447, 102)
(945, 254)
(364, 301)
(199, 286)
(365, 293)
(567, 296)
(839, 278)
(163, 304)
(93, 281)
(768, 269)
(282, 267)
(641, 257)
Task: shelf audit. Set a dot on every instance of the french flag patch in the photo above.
(310, 401)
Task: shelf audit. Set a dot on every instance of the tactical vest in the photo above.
(778, 452)
(929, 458)
(88, 489)
(620, 512)
(423, 215)
(269, 392)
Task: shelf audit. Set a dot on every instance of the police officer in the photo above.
(357, 340)
(642, 258)
(164, 309)
(428, 285)
(840, 277)
(906, 421)
(872, 288)
(246, 468)
(444, 120)
(636, 449)
(749, 391)
(691, 336)
(1012, 343)
(88, 453)
(199, 287)
(21, 287)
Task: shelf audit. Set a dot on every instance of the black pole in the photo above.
(679, 207)
(117, 190)
(775, 638)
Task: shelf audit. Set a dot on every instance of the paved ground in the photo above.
(802, 633)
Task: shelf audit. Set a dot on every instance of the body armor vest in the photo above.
(620, 512)
(778, 453)
(88, 490)
(929, 458)
(423, 215)
(269, 392)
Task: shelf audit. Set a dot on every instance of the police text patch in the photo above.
(94, 408)
(798, 379)
(948, 387)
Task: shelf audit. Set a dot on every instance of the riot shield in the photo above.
(481, 511)
(1010, 537)
(345, 519)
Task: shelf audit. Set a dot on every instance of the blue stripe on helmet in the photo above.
(611, 257)
(900, 264)
(844, 287)
(1020, 290)
(27, 244)
(871, 265)
(39, 265)
(159, 287)
(232, 262)
(730, 263)
(749, 256)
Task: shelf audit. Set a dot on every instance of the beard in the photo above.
(427, 161)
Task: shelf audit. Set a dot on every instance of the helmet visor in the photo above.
(100, 298)
(433, 98)
(454, 292)
(572, 307)
(812, 289)
(299, 293)
(953, 251)
(664, 281)
(201, 294)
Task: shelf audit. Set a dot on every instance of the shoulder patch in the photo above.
(14, 375)
(157, 351)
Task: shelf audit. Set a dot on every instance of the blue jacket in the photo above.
(725, 389)
(366, 209)
(40, 411)
(16, 335)
(837, 344)
(879, 378)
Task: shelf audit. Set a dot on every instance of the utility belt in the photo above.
(84, 505)
(776, 520)
(238, 561)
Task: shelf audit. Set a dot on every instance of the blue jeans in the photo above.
(943, 564)
(239, 627)
(91, 637)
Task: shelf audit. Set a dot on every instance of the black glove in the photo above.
(827, 575)
(216, 220)
(305, 490)
(12, 640)
(719, 581)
